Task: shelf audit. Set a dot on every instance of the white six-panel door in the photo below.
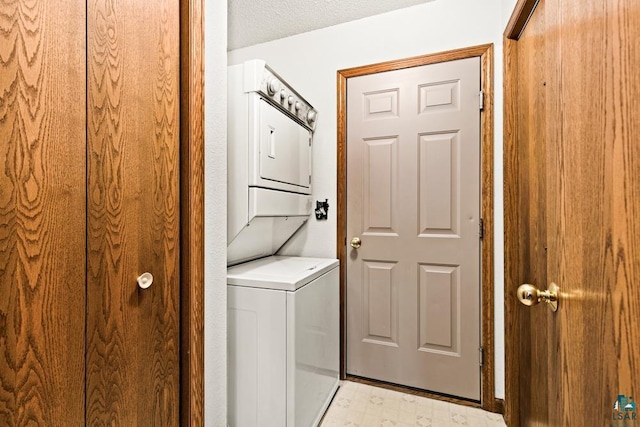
(413, 198)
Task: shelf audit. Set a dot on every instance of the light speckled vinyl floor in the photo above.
(362, 405)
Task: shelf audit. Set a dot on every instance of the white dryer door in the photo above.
(285, 149)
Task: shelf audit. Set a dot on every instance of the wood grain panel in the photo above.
(512, 266)
(530, 205)
(133, 213)
(621, 274)
(192, 213)
(590, 208)
(550, 84)
(485, 52)
(597, 195)
(42, 213)
(489, 401)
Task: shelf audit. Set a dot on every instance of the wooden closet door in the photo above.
(572, 209)
(42, 212)
(133, 337)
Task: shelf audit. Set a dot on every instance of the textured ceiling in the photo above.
(258, 21)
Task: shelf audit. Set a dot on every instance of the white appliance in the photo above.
(283, 312)
(283, 347)
(270, 128)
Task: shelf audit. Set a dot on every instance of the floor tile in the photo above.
(362, 405)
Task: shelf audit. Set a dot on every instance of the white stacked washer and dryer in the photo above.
(283, 311)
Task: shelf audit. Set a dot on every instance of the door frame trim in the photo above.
(191, 213)
(485, 52)
(522, 12)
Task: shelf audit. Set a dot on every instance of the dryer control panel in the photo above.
(264, 80)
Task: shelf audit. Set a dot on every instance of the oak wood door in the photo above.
(572, 205)
(413, 185)
(89, 142)
(133, 340)
(42, 213)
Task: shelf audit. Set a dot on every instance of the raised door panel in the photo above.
(438, 294)
(42, 213)
(133, 212)
(380, 104)
(380, 186)
(380, 303)
(438, 187)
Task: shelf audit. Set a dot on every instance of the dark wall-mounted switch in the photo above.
(322, 209)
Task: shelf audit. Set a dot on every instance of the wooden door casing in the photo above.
(42, 213)
(133, 340)
(590, 204)
(191, 213)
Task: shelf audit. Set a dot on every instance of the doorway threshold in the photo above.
(414, 391)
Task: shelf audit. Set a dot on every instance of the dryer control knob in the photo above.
(282, 95)
(290, 100)
(311, 116)
(273, 86)
(298, 106)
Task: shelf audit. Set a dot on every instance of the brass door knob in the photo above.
(530, 295)
(356, 242)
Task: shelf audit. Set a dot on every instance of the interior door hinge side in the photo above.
(481, 100)
(481, 352)
(481, 228)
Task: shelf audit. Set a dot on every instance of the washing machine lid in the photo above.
(284, 273)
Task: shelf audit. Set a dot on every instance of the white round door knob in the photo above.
(145, 280)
